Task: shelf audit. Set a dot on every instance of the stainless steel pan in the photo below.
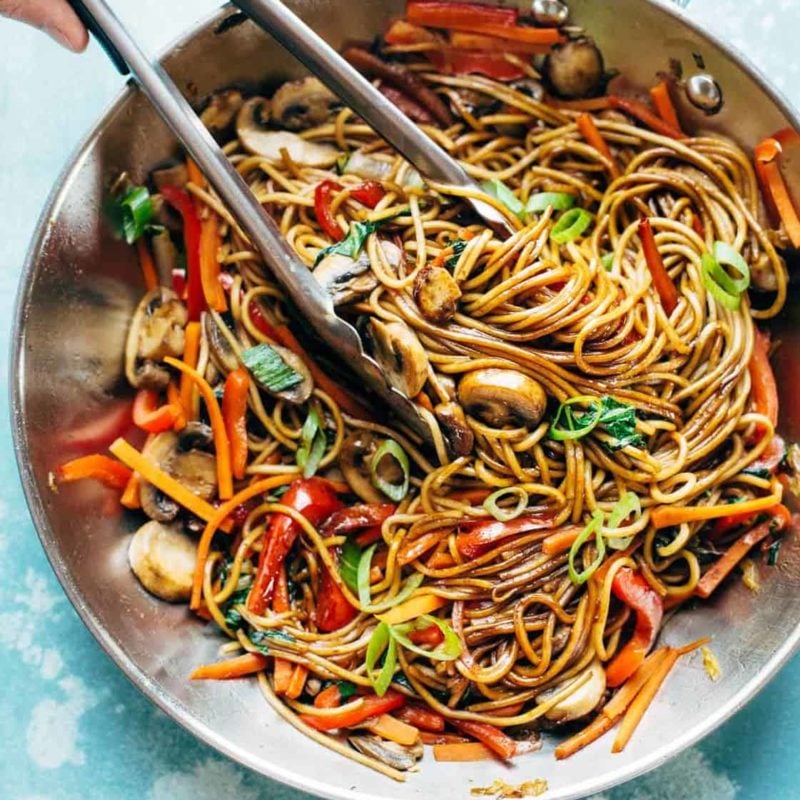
(77, 293)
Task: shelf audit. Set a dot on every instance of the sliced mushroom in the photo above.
(298, 393)
(165, 254)
(195, 436)
(256, 138)
(400, 354)
(164, 214)
(437, 294)
(395, 755)
(459, 437)
(222, 353)
(173, 175)
(575, 69)
(347, 280)
(582, 701)
(222, 108)
(502, 397)
(157, 330)
(163, 559)
(303, 104)
(355, 458)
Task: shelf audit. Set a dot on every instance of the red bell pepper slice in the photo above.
(105, 469)
(333, 608)
(370, 193)
(632, 589)
(443, 14)
(658, 272)
(372, 706)
(322, 208)
(477, 537)
(151, 417)
(425, 718)
(362, 515)
(316, 501)
(260, 321)
(763, 389)
(489, 735)
(432, 635)
(184, 205)
(475, 62)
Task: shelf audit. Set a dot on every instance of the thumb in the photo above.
(55, 17)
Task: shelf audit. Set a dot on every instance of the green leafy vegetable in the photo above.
(458, 246)
(362, 576)
(498, 190)
(381, 642)
(570, 225)
(619, 420)
(357, 234)
(448, 650)
(612, 416)
(261, 639)
(348, 564)
(346, 689)
(721, 285)
(233, 619)
(501, 513)
(269, 368)
(560, 201)
(312, 444)
(592, 529)
(394, 491)
(132, 212)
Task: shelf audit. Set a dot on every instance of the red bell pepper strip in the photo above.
(641, 112)
(322, 209)
(370, 193)
(475, 538)
(151, 417)
(260, 321)
(431, 635)
(763, 389)
(402, 32)
(362, 515)
(443, 14)
(421, 717)
(661, 279)
(474, 62)
(776, 193)
(779, 513)
(184, 205)
(480, 42)
(489, 735)
(105, 469)
(331, 697)
(333, 608)
(372, 706)
(316, 501)
(632, 589)
(234, 412)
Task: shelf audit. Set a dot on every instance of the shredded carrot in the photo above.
(505, 711)
(663, 284)
(417, 547)
(773, 185)
(217, 520)
(662, 101)
(209, 265)
(668, 516)
(692, 646)
(221, 443)
(329, 698)
(283, 670)
(641, 112)
(440, 561)
(591, 733)
(174, 398)
(130, 497)
(616, 706)
(191, 350)
(470, 495)
(146, 264)
(387, 727)
(413, 608)
(237, 667)
(151, 473)
(429, 737)
(763, 389)
(635, 712)
(487, 44)
(587, 104)
(343, 399)
(560, 541)
(593, 138)
(98, 467)
(234, 411)
(463, 752)
(194, 174)
(297, 681)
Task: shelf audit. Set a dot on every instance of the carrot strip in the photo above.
(661, 280)
(329, 698)
(490, 735)
(422, 718)
(440, 561)
(234, 411)
(463, 752)
(640, 111)
(146, 264)
(99, 467)
(667, 516)
(191, 350)
(429, 737)
(633, 716)
(417, 548)
(194, 174)
(587, 104)
(395, 730)
(543, 37)
(237, 667)
(591, 733)
(130, 497)
(484, 43)
(763, 390)
(283, 670)
(343, 399)
(297, 681)
(217, 519)
(209, 265)
(662, 101)
(593, 138)
(413, 608)
(470, 495)
(773, 185)
(221, 443)
(149, 472)
(617, 705)
(560, 541)
(692, 646)
(174, 398)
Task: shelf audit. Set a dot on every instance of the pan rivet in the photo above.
(704, 93)
(549, 12)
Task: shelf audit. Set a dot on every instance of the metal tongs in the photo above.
(298, 281)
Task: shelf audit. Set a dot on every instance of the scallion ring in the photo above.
(628, 504)
(594, 527)
(725, 288)
(541, 201)
(381, 641)
(566, 425)
(137, 211)
(393, 491)
(570, 225)
(448, 650)
(500, 513)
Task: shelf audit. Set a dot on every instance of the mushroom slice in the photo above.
(392, 754)
(575, 69)
(256, 138)
(459, 437)
(222, 108)
(222, 353)
(437, 294)
(502, 397)
(173, 175)
(163, 559)
(157, 330)
(401, 356)
(165, 255)
(303, 104)
(298, 393)
(195, 436)
(347, 280)
(582, 701)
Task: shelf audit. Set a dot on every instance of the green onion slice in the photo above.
(412, 583)
(593, 528)
(381, 641)
(498, 190)
(570, 225)
(607, 262)
(313, 444)
(362, 585)
(560, 201)
(567, 425)
(348, 564)
(362, 576)
(628, 504)
(137, 210)
(269, 369)
(448, 650)
(725, 288)
(501, 513)
(393, 491)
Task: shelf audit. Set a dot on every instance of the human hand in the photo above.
(55, 17)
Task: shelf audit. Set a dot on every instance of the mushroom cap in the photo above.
(502, 397)
(582, 701)
(163, 559)
(401, 356)
(575, 69)
(303, 104)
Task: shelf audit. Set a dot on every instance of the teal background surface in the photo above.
(71, 726)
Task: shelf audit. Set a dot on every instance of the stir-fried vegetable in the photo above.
(269, 368)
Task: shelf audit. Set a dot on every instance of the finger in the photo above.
(55, 17)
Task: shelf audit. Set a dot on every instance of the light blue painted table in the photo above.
(71, 726)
